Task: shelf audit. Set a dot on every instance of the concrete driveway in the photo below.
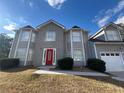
(118, 74)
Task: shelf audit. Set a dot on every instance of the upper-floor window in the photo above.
(25, 36)
(33, 37)
(50, 36)
(113, 35)
(76, 37)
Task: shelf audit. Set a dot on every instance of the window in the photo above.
(30, 53)
(33, 37)
(102, 54)
(25, 36)
(117, 54)
(21, 53)
(76, 37)
(107, 54)
(78, 55)
(50, 36)
(112, 54)
(112, 35)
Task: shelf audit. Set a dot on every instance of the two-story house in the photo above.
(108, 44)
(48, 42)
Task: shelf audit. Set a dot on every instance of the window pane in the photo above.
(102, 54)
(117, 54)
(78, 55)
(25, 36)
(30, 53)
(33, 37)
(21, 53)
(116, 36)
(113, 35)
(107, 54)
(76, 37)
(50, 36)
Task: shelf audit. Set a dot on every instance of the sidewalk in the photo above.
(70, 72)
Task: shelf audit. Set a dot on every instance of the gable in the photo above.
(49, 23)
(51, 27)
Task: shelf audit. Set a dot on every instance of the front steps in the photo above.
(46, 67)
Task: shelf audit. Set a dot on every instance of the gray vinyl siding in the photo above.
(91, 49)
(67, 44)
(86, 49)
(40, 43)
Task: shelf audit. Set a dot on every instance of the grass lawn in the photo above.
(22, 80)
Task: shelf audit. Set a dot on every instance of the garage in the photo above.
(114, 60)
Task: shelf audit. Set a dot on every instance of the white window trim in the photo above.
(46, 37)
(106, 36)
(17, 43)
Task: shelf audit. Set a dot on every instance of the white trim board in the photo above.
(17, 43)
(12, 45)
(50, 21)
(95, 50)
(71, 43)
(29, 40)
(44, 56)
(109, 43)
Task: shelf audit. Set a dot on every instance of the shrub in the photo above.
(8, 63)
(96, 64)
(65, 63)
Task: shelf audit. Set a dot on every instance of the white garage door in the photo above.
(114, 61)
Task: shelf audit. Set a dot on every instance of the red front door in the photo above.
(49, 56)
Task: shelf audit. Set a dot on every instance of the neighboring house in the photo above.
(108, 44)
(48, 42)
